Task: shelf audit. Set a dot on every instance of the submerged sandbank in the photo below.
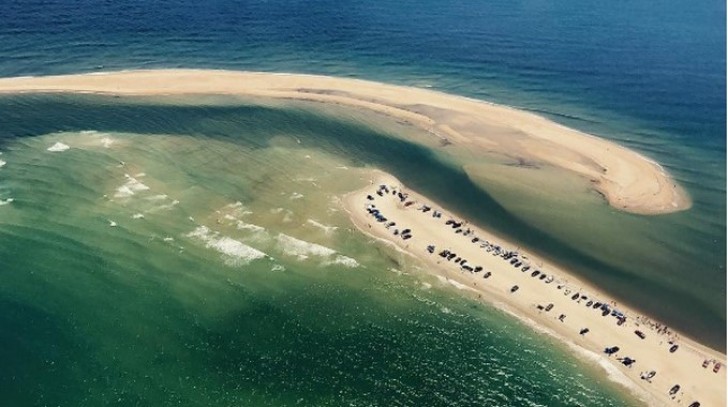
(489, 268)
(627, 180)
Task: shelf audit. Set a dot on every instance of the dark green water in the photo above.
(641, 260)
(133, 271)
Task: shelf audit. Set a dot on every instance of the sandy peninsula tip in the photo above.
(655, 363)
(628, 180)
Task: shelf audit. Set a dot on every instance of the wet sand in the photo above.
(530, 302)
(626, 179)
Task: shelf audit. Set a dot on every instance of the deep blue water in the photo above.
(662, 63)
(649, 74)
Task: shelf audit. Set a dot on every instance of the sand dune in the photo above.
(542, 302)
(627, 180)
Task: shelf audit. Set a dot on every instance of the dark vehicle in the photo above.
(431, 249)
(674, 389)
(694, 404)
(612, 350)
(514, 289)
(627, 361)
(640, 334)
(584, 331)
(535, 273)
(526, 268)
(575, 297)
(549, 307)
(589, 303)
(542, 277)
(487, 274)
(673, 348)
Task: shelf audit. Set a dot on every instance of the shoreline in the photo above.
(627, 180)
(683, 366)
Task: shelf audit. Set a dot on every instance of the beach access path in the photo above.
(568, 297)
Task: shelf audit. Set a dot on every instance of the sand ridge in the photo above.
(627, 180)
(530, 301)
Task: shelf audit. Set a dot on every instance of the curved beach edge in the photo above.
(627, 180)
(480, 265)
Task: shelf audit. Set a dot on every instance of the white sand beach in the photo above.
(558, 304)
(627, 180)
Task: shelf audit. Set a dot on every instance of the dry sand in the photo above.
(683, 367)
(627, 180)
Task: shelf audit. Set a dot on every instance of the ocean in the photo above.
(190, 251)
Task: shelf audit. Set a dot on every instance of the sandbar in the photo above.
(626, 179)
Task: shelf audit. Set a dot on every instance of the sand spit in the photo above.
(491, 269)
(627, 180)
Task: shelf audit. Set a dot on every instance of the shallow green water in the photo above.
(671, 266)
(209, 264)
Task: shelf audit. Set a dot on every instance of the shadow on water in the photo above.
(415, 166)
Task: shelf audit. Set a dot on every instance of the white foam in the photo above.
(168, 239)
(58, 147)
(237, 209)
(240, 225)
(301, 248)
(2, 163)
(159, 197)
(4, 202)
(112, 223)
(277, 267)
(327, 229)
(456, 284)
(343, 261)
(107, 142)
(235, 252)
(137, 216)
(130, 187)
(165, 207)
(295, 196)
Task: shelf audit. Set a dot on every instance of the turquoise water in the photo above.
(135, 283)
(97, 315)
